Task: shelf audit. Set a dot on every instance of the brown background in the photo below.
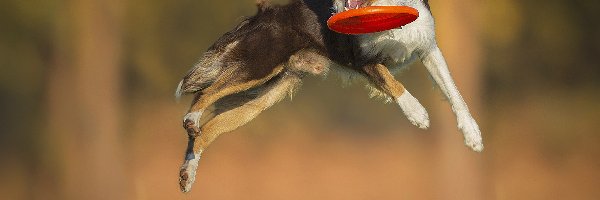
(87, 109)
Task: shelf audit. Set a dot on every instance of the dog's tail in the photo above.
(202, 75)
(179, 91)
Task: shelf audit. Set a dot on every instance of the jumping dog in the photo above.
(264, 58)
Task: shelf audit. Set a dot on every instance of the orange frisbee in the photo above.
(372, 19)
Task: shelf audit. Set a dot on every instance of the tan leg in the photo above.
(225, 85)
(381, 77)
(230, 119)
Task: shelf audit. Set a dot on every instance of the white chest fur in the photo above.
(402, 45)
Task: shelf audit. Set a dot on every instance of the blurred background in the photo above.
(87, 109)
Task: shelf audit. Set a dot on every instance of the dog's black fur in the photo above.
(270, 37)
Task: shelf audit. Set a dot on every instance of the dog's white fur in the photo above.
(194, 117)
(404, 45)
(190, 167)
(413, 110)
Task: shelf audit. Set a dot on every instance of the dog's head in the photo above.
(343, 5)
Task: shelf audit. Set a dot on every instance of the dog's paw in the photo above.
(191, 123)
(187, 173)
(471, 132)
(414, 111)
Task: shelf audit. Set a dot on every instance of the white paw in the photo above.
(187, 173)
(471, 132)
(193, 117)
(413, 110)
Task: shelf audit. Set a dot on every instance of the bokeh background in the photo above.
(87, 109)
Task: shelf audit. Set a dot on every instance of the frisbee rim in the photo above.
(405, 11)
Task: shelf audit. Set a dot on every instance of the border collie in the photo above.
(265, 57)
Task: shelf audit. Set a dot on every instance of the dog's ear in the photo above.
(262, 5)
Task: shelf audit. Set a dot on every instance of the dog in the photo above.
(264, 58)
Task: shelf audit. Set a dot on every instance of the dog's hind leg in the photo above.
(436, 65)
(381, 77)
(227, 83)
(233, 112)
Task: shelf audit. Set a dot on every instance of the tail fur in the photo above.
(200, 76)
(179, 91)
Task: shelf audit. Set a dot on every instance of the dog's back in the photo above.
(257, 45)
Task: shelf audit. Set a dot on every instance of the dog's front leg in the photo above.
(381, 77)
(436, 65)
